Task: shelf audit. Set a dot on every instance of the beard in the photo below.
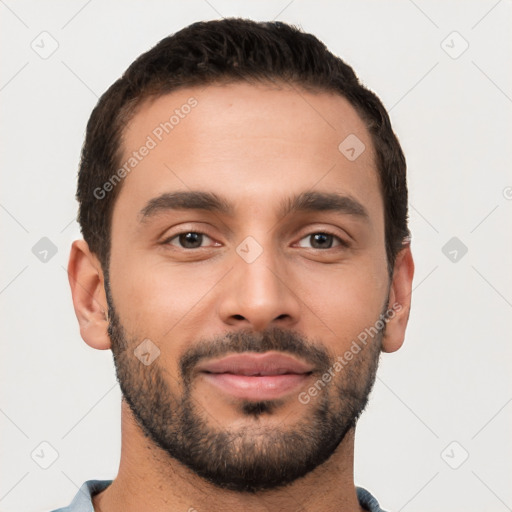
(256, 457)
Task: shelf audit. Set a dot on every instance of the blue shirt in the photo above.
(82, 502)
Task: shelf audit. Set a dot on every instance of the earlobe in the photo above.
(88, 292)
(399, 305)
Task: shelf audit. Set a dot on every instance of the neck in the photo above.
(149, 479)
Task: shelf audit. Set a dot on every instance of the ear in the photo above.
(89, 298)
(399, 305)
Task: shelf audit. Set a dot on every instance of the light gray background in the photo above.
(451, 381)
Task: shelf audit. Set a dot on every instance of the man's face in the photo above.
(249, 278)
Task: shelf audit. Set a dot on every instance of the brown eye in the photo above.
(321, 240)
(188, 240)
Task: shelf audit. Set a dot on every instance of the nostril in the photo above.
(239, 317)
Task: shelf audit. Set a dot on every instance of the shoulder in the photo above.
(367, 500)
(82, 502)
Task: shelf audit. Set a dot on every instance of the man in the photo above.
(246, 258)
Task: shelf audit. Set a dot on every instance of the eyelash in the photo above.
(342, 243)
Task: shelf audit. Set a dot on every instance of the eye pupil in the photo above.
(191, 240)
(321, 239)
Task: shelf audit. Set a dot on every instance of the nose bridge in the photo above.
(257, 267)
(258, 293)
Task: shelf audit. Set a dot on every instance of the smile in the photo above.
(256, 376)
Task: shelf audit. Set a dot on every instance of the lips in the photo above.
(256, 376)
(256, 365)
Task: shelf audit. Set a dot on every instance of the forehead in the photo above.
(246, 142)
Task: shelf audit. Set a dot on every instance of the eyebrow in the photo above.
(209, 201)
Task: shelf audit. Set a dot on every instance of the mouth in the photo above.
(256, 376)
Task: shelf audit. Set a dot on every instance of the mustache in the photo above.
(272, 339)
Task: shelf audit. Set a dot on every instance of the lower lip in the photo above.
(254, 387)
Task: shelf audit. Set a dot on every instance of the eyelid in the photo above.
(342, 241)
(167, 240)
(181, 228)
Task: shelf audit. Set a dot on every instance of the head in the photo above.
(241, 191)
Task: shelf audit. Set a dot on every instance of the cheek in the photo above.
(161, 303)
(345, 300)
(155, 298)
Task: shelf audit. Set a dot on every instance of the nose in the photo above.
(259, 294)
